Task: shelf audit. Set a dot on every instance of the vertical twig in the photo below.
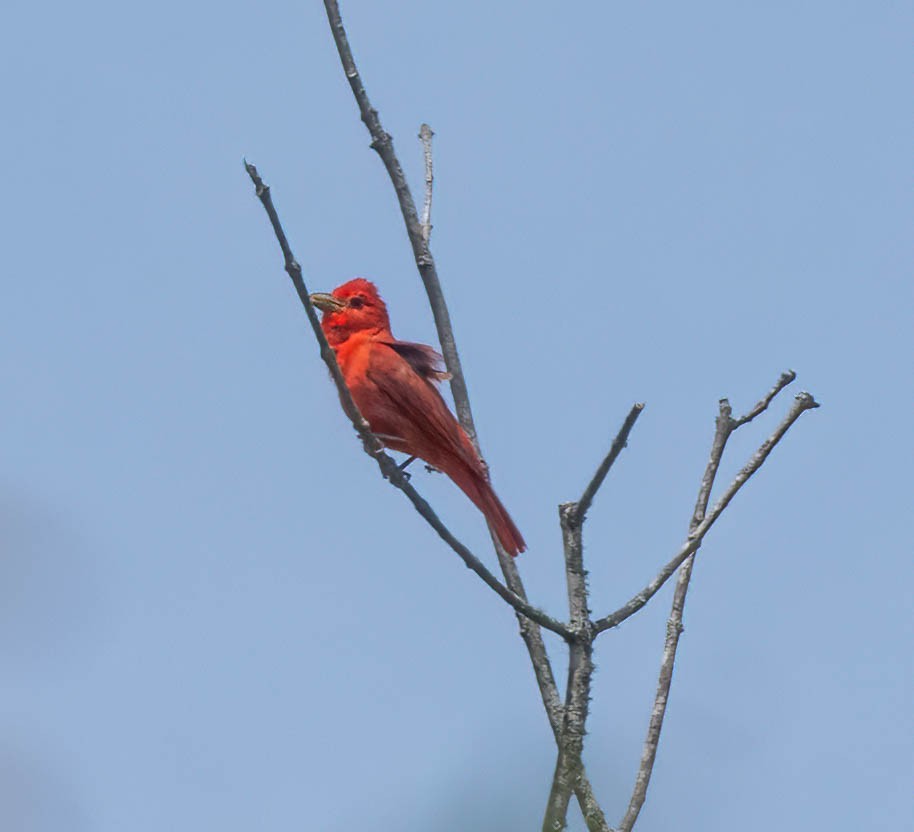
(425, 136)
(568, 764)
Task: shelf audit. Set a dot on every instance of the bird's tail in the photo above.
(474, 484)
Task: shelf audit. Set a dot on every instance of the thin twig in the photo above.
(762, 405)
(425, 136)
(373, 447)
(615, 449)
(722, 431)
(724, 428)
(803, 402)
(294, 271)
(649, 752)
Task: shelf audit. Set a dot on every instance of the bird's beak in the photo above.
(327, 303)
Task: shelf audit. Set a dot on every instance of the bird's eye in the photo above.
(357, 302)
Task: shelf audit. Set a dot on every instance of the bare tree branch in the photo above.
(803, 402)
(373, 447)
(568, 764)
(425, 136)
(724, 428)
(674, 626)
(649, 752)
(762, 405)
(615, 449)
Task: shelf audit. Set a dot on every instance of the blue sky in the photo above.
(213, 612)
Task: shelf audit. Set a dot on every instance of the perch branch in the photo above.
(803, 402)
(373, 447)
(724, 428)
(293, 269)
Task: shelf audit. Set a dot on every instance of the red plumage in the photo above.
(393, 384)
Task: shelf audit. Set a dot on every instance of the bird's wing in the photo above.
(412, 405)
(426, 361)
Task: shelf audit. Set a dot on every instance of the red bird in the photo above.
(393, 384)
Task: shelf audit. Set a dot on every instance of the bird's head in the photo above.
(353, 307)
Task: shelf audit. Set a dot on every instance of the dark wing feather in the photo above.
(426, 361)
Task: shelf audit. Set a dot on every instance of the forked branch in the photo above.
(724, 428)
(802, 403)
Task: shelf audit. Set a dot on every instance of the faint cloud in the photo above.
(48, 595)
(34, 798)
